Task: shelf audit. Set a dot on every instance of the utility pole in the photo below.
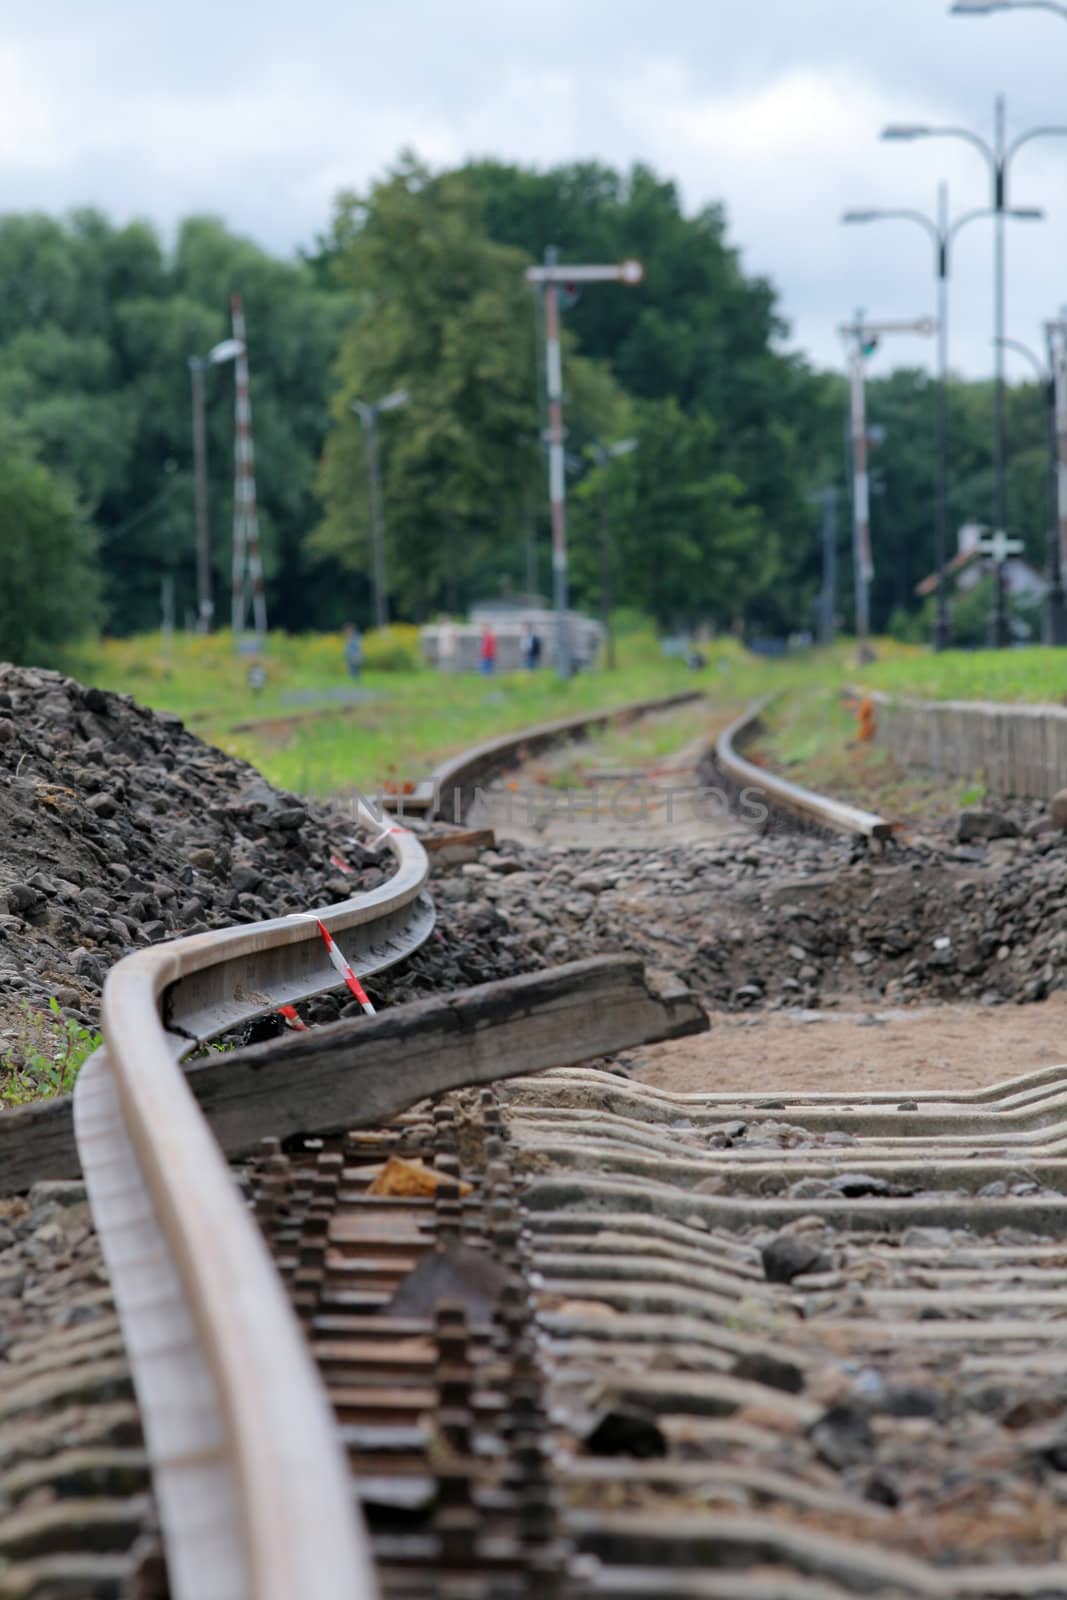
(607, 587)
(861, 503)
(550, 277)
(828, 598)
(247, 563)
(1056, 603)
(1054, 619)
(941, 626)
(556, 475)
(368, 414)
(1000, 454)
(204, 603)
(198, 365)
(377, 522)
(166, 614)
(530, 519)
(862, 339)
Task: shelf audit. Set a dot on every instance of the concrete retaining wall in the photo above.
(1012, 749)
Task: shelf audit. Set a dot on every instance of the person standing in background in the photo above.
(487, 651)
(353, 650)
(531, 647)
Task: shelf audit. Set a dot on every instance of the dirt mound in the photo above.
(118, 828)
(780, 921)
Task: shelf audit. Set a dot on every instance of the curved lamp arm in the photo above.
(898, 214)
(985, 8)
(1052, 130)
(1024, 350)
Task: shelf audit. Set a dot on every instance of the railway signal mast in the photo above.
(550, 278)
(862, 339)
(247, 563)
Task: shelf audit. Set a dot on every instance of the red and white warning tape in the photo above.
(343, 968)
(293, 1018)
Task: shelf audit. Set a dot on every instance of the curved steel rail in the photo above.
(451, 785)
(460, 775)
(798, 802)
(253, 1488)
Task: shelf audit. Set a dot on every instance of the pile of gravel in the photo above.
(119, 828)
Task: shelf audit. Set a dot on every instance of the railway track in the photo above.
(610, 1367)
(568, 1336)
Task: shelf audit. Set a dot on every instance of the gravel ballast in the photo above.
(120, 829)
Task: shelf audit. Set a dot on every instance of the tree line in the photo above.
(418, 283)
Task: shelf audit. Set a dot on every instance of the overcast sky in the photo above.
(262, 112)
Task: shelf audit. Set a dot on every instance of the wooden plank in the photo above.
(476, 838)
(37, 1142)
(457, 845)
(355, 1073)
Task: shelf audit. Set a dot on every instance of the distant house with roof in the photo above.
(454, 646)
(969, 566)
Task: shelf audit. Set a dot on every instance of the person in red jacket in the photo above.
(487, 650)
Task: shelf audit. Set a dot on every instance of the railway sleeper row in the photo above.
(564, 1372)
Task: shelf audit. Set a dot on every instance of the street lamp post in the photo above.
(550, 277)
(943, 233)
(862, 338)
(602, 454)
(198, 365)
(998, 156)
(1056, 616)
(368, 414)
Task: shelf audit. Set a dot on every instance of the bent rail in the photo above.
(235, 1415)
(791, 797)
(252, 1484)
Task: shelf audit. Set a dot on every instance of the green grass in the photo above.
(1035, 674)
(413, 720)
(47, 1058)
(301, 738)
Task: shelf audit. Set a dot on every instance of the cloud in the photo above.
(261, 114)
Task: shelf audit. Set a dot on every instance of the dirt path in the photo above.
(621, 788)
(930, 1047)
(595, 800)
